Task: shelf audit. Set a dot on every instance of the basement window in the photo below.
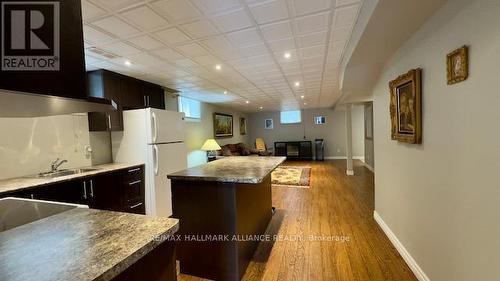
(190, 107)
(290, 117)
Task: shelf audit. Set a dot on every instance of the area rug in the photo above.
(291, 176)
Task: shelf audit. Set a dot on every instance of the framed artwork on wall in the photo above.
(243, 126)
(406, 107)
(319, 120)
(457, 65)
(268, 124)
(223, 125)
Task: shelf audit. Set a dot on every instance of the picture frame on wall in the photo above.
(223, 125)
(319, 120)
(269, 124)
(457, 65)
(243, 126)
(406, 107)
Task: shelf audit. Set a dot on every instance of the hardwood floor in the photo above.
(336, 207)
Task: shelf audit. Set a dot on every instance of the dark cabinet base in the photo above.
(157, 265)
(229, 211)
(294, 150)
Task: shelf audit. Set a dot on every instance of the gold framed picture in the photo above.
(457, 64)
(223, 125)
(243, 126)
(406, 107)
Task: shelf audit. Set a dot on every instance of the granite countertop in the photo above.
(234, 169)
(18, 184)
(80, 244)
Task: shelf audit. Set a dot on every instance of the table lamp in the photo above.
(210, 146)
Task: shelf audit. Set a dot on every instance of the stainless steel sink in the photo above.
(15, 212)
(62, 173)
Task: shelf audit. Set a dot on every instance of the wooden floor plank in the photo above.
(336, 205)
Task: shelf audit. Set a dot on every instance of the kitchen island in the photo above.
(84, 244)
(225, 207)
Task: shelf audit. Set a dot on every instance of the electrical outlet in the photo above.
(338, 150)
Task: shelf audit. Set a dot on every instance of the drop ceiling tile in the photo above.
(95, 36)
(120, 48)
(146, 42)
(145, 18)
(116, 26)
(172, 36)
(254, 50)
(168, 54)
(345, 16)
(207, 60)
(345, 2)
(312, 23)
(340, 34)
(216, 6)
(232, 20)
(276, 31)
(244, 37)
(314, 51)
(282, 44)
(192, 50)
(310, 6)
(118, 4)
(269, 11)
(90, 10)
(217, 43)
(312, 39)
(198, 29)
(177, 10)
(145, 59)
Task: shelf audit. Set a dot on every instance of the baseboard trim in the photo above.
(410, 261)
(350, 172)
(369, 167)
(362, 158)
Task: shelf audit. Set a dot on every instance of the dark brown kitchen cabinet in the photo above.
(132, 94)
(121, 191)
(105, 84)
(154, 95)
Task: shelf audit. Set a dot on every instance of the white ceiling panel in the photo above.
(116, 26)
(262, 46)
(145, 18)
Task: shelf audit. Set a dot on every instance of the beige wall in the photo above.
(441, 198)
(197, 131)
(29, 145)
(333, 132)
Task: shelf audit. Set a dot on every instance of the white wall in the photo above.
(197, 131)
(333, 132)
(442, 198)
(29, 145)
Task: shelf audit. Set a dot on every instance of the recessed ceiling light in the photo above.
(261, 108)
(297, 84)
(218, 66)
(302, 97)
(128, 63)
(287, 55)
(225, 92)
(247, 102)
(305, 103)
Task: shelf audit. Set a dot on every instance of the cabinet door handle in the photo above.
(109, 122)
(134, 170)
(145, 101)
(84, 190)
(136, 205)
(32, 196)
(149, 103)
(134, 182)
(91, 188)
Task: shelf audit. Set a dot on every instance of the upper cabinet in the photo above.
(47, 59)
(126, 92)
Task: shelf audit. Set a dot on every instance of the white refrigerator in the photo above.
(154, 137)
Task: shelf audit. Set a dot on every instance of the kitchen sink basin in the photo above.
(15, 212)
(62, 173)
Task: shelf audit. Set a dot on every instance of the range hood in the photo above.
(21, 104)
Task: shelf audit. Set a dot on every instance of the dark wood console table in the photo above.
(299, 150)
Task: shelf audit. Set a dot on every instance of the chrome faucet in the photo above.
(55, 165)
